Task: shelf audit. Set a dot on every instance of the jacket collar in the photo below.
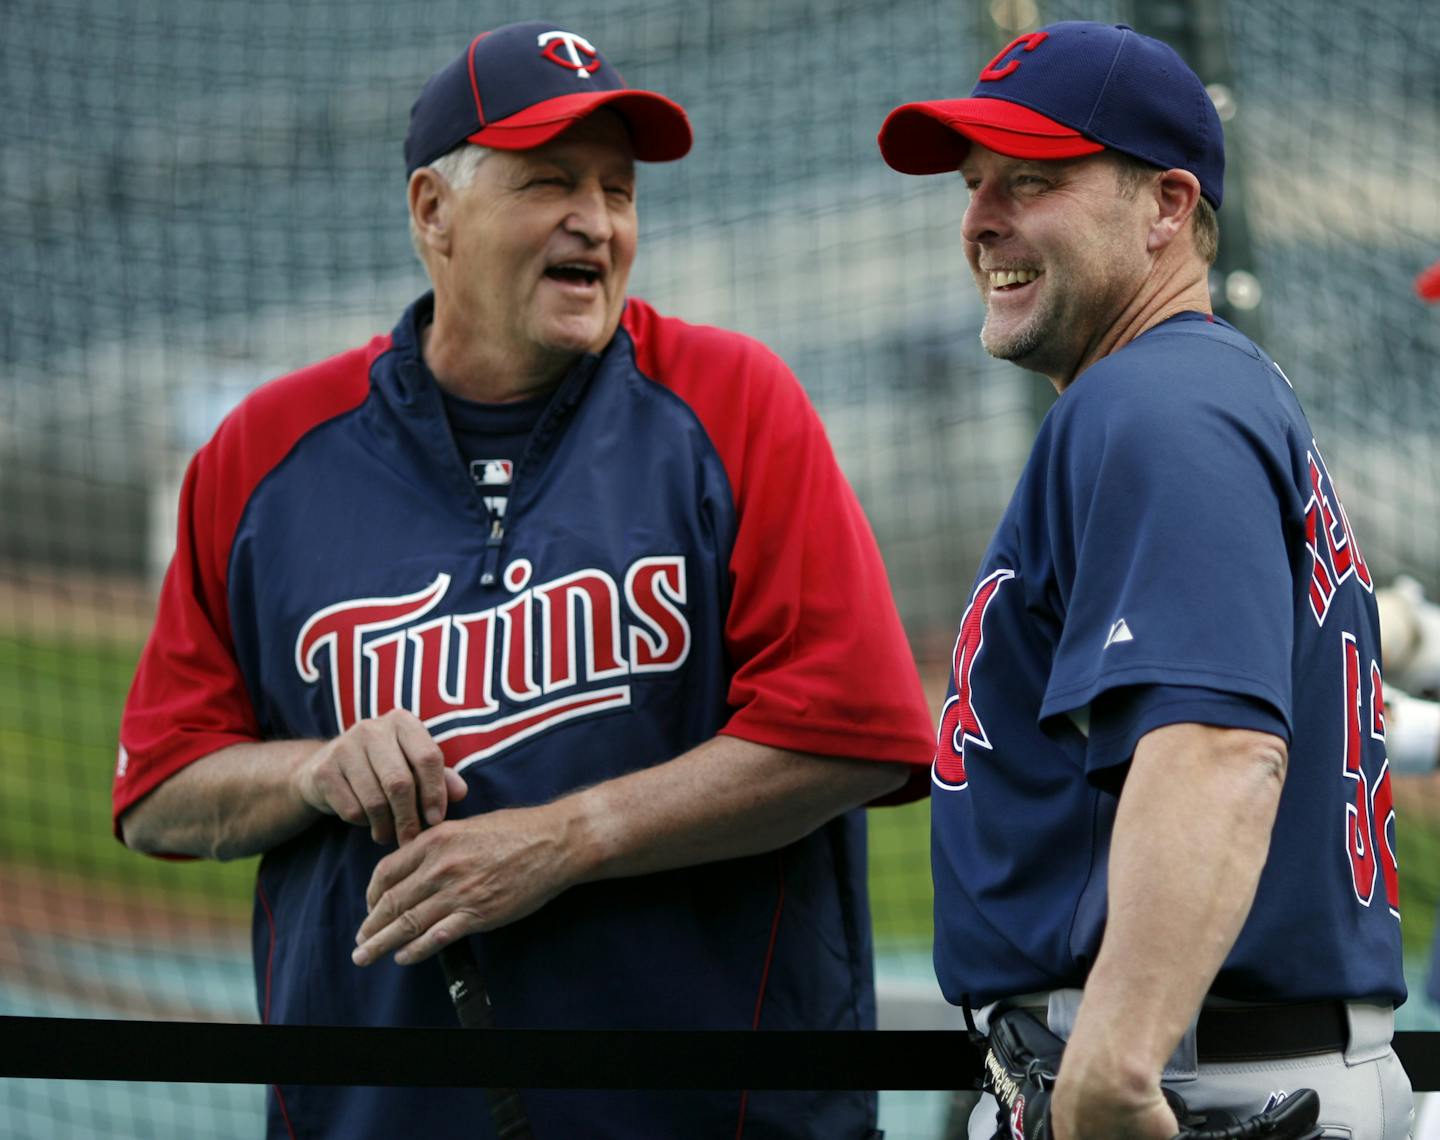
(414, 376)
(406, 385)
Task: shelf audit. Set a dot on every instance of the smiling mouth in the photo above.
(1004, 280)
(573, 273)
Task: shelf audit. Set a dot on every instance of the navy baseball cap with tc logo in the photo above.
(1067, 90)
(519, 86)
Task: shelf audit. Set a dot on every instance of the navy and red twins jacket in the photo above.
(681, 557)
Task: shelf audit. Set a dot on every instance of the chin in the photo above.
(581, 336)
(1011, 344)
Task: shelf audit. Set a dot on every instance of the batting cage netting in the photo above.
(197, 197)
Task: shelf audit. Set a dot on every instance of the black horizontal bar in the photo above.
(1419, 1052)
(210, 1053)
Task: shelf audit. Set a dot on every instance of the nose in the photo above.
(985, 216)
(589, 215)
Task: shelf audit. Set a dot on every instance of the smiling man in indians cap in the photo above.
(1162, 820)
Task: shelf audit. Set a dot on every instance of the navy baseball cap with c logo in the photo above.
(519, 86)
(1067, 90)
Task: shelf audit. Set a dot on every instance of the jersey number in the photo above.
(1371, 815)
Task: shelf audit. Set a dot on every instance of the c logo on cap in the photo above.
(1031, 42)
(573, 45)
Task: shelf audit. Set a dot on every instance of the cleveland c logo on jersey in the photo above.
(959, 722)
(452, 670)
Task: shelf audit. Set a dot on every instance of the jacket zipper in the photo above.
(491, 567)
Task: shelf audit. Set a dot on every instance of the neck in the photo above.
(1166, 293)
(465, 363)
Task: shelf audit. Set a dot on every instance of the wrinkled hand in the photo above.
(383, 772)
(1092, 1106)
(462, 877)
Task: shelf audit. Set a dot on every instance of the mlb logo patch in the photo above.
(492, 472)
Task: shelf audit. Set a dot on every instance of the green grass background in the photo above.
(60, 701)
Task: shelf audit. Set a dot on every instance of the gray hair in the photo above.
(1133, 172)
(457, 167)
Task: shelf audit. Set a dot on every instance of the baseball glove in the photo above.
(1024, 1058)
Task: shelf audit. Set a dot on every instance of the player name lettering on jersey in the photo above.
(1334, 553)
(454, 670)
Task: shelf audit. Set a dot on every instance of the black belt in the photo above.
(1264, 1032)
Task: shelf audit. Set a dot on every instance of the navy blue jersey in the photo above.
(680, 557)
(1175, 532)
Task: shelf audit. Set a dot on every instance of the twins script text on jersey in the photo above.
(456, 663)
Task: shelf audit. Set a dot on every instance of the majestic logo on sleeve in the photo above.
(959, 722)
(541, 652)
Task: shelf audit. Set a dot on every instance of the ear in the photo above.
(1176, 194)
(429, 197)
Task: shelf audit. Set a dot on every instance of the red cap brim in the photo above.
(933, 138)
(1427, 285)
(659, 129)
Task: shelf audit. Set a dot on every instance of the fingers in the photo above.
(414, 934)
(422, 756)
(325, 787)
(400, 755)
(412, 906)
(386, 773)
(376, 783)
(394, 925)
(463, 877)
(392, 877)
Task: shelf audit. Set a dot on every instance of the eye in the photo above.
(621, 193)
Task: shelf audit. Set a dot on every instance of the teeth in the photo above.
(1002, 277)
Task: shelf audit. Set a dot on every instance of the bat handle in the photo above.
(472, 1006)
(467, 987)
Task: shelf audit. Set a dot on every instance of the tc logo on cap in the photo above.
(571, 45)
(520, 86)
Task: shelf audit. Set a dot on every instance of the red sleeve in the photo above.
(823, 665)
(188, 698)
